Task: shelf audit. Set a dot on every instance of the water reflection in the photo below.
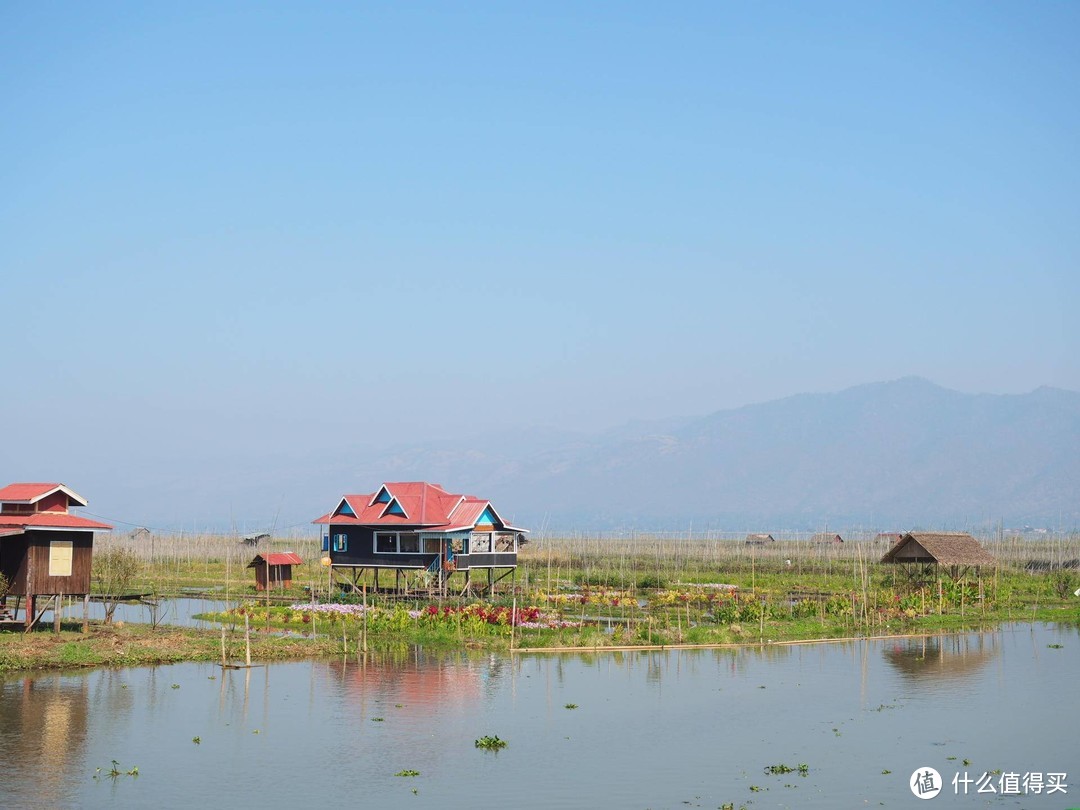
(44, 722)
(415, 680)
(943, 658)
(675, 727)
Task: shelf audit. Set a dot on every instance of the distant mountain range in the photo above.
(889, 456)
(899, 454)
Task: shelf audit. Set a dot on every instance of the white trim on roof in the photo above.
(72, 495)
(378, 492)
(390, 504)
(33, 528)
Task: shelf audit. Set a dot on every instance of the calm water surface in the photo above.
(668, 729)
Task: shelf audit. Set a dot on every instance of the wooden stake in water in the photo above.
(223, 646)
(247, 640)
(513, 623)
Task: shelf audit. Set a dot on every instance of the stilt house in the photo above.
(45, 549)
(419, 530)
(921, 552)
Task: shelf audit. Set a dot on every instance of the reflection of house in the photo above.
(759, 539)
(826, 537)
(274, 570)
(45, 550)
(416, 526)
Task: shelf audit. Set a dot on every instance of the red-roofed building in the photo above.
(416, 526)
(45, 549)
(274, 570)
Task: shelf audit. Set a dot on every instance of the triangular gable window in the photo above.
(383, 496)
(488, 518)
(395, 509)
(345, 509)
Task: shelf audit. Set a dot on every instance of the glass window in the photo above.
(481, 543)
(432, 545)
(409, 543)
(341, 542)
(386, 542)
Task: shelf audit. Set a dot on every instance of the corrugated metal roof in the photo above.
(51, 520)
(278, 558)
(425, 505)
(32, 493)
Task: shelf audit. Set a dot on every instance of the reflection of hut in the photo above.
(826, 537)
(958, 657)
(759, 539)
(921, 552)
(274, 570)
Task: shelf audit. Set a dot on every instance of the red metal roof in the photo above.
(51, 520)
(32, 493)
(281, 558)
(426, 506)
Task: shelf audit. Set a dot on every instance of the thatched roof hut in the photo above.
(759, 539)
(942, 548)
(826, 537)
(956, 551)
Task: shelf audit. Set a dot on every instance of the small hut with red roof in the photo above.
(45, 548)
(274, 569)
(416, 527)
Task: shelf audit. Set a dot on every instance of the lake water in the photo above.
(671, 729)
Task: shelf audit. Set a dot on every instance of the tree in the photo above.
(114, 572)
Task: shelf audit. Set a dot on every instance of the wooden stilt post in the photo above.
(58, 600)
(86, 613)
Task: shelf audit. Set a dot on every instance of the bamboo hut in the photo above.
(920, 553)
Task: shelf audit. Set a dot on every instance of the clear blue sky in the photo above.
(225, 226)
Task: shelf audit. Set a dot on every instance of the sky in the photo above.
(258, 230)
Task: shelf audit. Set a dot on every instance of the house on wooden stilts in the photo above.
(922, 554)
(422, 533)
(46, 549)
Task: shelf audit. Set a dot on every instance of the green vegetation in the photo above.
(407, 772)
(568, 593)
(137, 645)
(802, 769)
(114, 573)
(489, 743)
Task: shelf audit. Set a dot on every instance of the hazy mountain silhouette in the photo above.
(894, 454)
